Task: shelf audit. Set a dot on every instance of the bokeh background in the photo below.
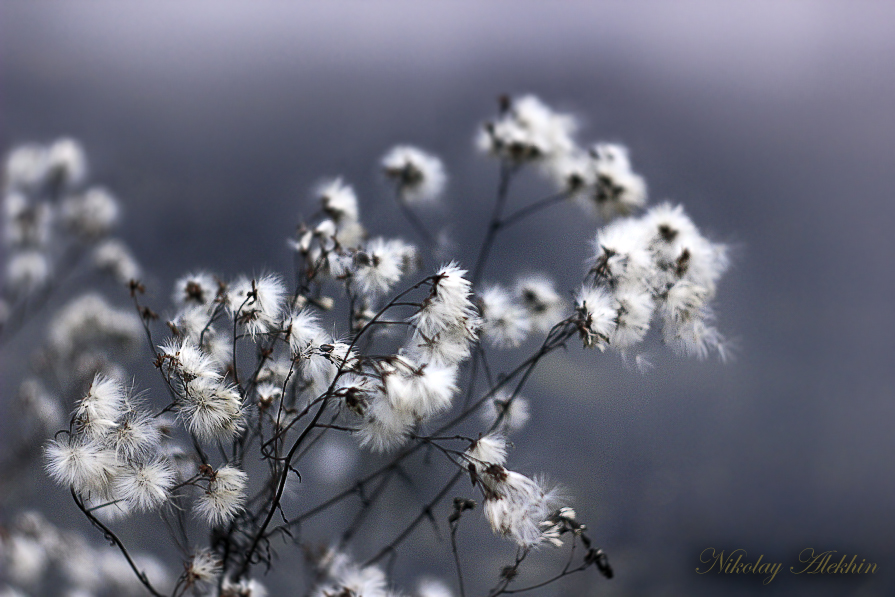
(773, 122)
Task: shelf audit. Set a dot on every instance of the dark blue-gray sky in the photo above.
(771, 121)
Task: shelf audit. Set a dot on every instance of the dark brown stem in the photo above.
(113, 538)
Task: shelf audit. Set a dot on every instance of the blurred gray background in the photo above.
(772, 122)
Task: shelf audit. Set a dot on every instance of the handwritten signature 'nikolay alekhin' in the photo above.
(825, 562)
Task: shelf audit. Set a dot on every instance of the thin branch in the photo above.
(506, 174)
(112, 537)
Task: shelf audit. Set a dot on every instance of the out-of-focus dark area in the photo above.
(772, 122)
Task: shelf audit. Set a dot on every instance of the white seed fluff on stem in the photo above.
(26, 167)
(487, 451)
(683, 302)
(204, 567)
(212, 409)
(243, 588)
(302, 327)
(114, 257)
(621, 255)
(516, 505)
(27, 272)
(98, 412)
(505, 323)
(543, 304)
(419, 175)
(595, 316)
(420, 390)
(448, 347)
(26, 223)
(431, 587)
(344, 577)
(528, 130)
(380, 265)
(92, 214)
(145, 486)
(268, 393)
(448, 308)
(191, 321)
(67, 161)
(618, 190)
(681, 250)
(572, 173)
(385, 427)
(84, 466)
(199, 288)
(224, 497)
(136, 435)
(509, 415)
(257, 304)
(338, 201)
(634, 312)
(188, 361)
(433, 386)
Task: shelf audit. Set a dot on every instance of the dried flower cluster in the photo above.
(362, 339)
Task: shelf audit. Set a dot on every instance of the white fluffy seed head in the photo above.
(88, 320)
(616, 190)
(145, 486)
(516, 506)
(446, 314)
(211, 409)
(82, 465)
(26, 223)
(486, 451)
(224, 497)
(338, 201)
(385, 427)
(243, 588)
(508, 415)
(380, 265)
(430, 587)
(92, 214)
(135, 436)
(67, 162)
(189, 362)
(203, 567)
(302, 327)
(26, 167)
(27, 272)
(198, 288)
(634, 311)
(537, 295)
(505, 323)
(527, 131)
(419, 175)
(114, 257)
(257, 304)
(98, 412)
(595, 316)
